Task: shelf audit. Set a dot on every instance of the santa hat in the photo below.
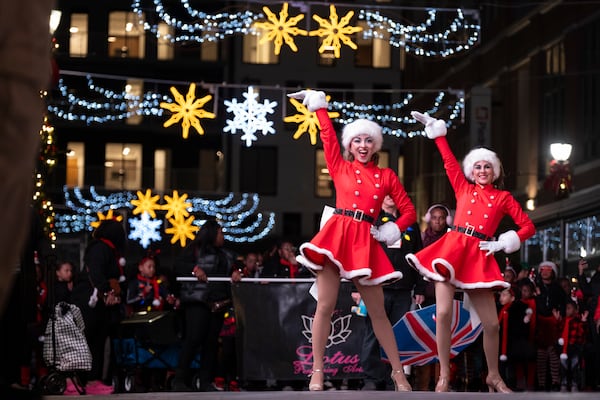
(564, 339)
(503, 319)
(549, 264)
(362, 127)
(481, 154)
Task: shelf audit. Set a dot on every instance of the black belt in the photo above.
(357, 215)
(470, 231)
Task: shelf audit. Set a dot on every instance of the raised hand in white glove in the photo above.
(509, 242)
(433, 127)
(388, 233)
(312, 99)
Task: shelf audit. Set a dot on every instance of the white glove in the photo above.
(388, 233)
(509, 242)
(433, 127)
(312, 99)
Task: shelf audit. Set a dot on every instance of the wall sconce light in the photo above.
(559, 178)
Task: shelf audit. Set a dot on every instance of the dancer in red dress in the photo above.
(462, 257)
(347, 245)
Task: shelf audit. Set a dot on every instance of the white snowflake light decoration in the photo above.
(145, 229)
(250, 116)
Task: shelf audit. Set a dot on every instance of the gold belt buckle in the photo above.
(358, 215)
(469, 230)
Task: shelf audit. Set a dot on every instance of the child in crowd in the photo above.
(514, 333)
(147, 292)
(527, 371)
(64, 282)
(571, 342)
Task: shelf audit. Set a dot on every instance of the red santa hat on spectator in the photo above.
(362, 127)
(564, 339)
(549, 264)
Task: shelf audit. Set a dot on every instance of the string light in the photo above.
(459, 35)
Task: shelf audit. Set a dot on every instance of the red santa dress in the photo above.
(345, 241)
(456, 257)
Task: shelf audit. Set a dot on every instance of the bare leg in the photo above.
(485, 306)
(328, 284)
(444, 295)
(373, 298)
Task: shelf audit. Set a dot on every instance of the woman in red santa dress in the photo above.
(347, 244)
(463, 258)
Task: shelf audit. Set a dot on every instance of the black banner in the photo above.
(273, 323)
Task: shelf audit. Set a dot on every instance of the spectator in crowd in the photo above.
(590, 287)
(251, 267)
(63, 286)
(461, 259)
(550, 302)
(571, 344)
(204, 303)
(284, 264)
(514, 331)
(146, 292)
(346, 246)
(97, 293)
(398, 297)
(438, 219)
(510, 275)
(526, 370)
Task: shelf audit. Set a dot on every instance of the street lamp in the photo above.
(559, 177)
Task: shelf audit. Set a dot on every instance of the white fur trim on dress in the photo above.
(414, 262)
(510, 240)
(481, 154)
(362, 127)
(363, 274)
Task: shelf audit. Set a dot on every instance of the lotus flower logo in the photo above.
(339, 329)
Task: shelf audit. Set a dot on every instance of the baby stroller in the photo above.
(65, 349)
(148, 341)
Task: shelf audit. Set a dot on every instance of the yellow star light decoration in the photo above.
(146, 203)
(335, 31)
(307, 120)
(282, 29)
(176, 206)
(101, 217)
(189, 110)
(181, 229)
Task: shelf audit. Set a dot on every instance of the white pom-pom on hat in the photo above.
(362, 127)
(561, 341)
(503, 357)
(563, 356)
(156, 302)
(481, 154)
(122, 261)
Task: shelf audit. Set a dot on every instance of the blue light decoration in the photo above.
(76, 106)
(238, 214)
(444, 32)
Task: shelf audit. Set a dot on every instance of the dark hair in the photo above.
(114, 231)
(207, 235)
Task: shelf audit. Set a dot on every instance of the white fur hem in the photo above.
(363, 274)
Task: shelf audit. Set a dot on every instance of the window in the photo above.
(78, 35)
(123, 166)
(544, 245)
(209, 51)
(162, 169)
(165, 48)
(256, 52)
(373, 52)
(126, 37)
(133, 93)
(258, 170)
(582, 237)
(75, 164)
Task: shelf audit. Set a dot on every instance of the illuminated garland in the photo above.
(394, 118)
(427, 39)
(238, 215)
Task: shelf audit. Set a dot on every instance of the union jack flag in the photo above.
(415, 334)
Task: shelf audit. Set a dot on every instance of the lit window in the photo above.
(75, 164)
(373, 52)
(165, 48)
(162, 169)
(123, 166)
(256, 52)
(78, 35)
(133, 94)
(126, 36)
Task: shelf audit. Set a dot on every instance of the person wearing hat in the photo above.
(347, 244)
(463, 258)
